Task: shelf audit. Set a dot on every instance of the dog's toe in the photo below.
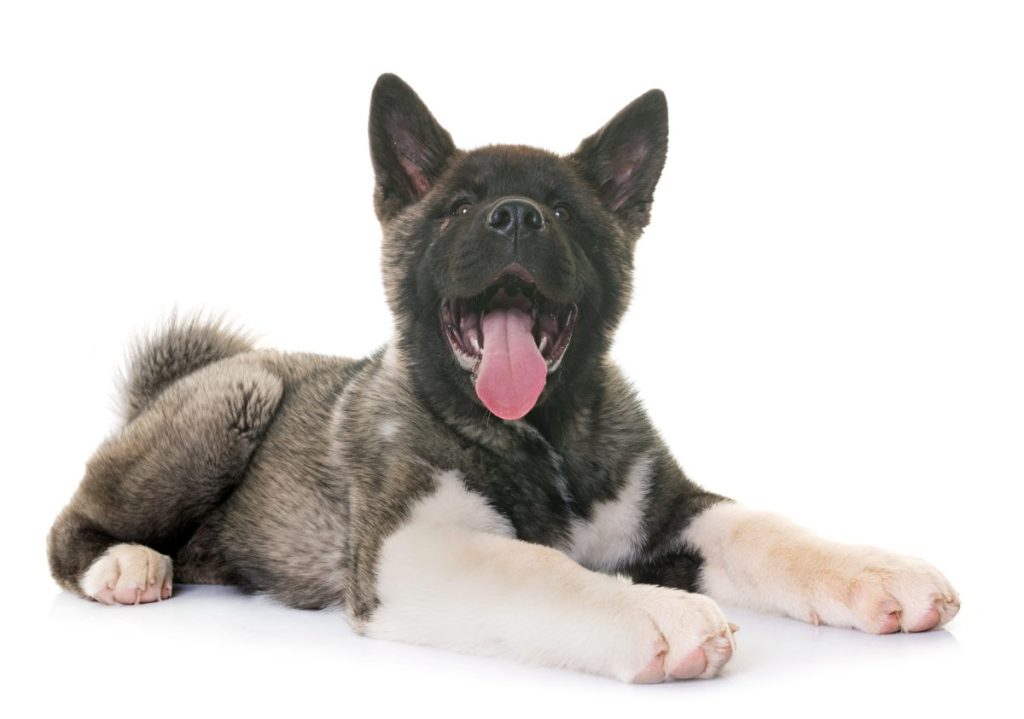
(692, 665)
(129, 574)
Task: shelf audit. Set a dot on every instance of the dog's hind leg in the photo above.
(149, 486)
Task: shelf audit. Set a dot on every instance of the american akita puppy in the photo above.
(476, 483)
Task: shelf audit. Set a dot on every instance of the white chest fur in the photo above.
(613, 535)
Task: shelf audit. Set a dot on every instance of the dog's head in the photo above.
(507, 267)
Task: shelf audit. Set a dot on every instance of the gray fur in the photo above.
(284, 473)
(179, 348)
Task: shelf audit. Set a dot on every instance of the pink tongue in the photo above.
(512, 373)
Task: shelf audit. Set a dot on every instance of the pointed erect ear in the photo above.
(409, 149)
(623, 159)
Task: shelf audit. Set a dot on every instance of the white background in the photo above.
(827, 321)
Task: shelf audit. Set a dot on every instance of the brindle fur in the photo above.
(284, 473)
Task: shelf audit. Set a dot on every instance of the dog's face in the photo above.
(508, 267)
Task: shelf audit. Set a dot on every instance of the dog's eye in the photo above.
(461, 208)
(563, 212)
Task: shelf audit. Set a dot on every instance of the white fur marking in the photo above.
(389, 428)
(453, 576)
(613, 535)
(128, 574)
(452, 506)
(764, 561)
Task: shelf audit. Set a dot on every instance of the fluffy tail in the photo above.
(177, 349)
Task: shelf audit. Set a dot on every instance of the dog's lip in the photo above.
(466, 289)
(516, 270)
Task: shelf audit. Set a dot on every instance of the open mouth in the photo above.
(510, 337)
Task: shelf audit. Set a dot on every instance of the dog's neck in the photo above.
(563, 418)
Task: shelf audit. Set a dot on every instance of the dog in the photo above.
(488, 481)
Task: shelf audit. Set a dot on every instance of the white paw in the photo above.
(881, 593)
(128, 574)
(672, 634)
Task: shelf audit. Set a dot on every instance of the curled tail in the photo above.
(177, 349)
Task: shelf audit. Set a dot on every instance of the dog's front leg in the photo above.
(454, 576)
(763, 561)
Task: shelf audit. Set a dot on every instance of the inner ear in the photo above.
(412, 156)
(623, 160)
(618, 188)
(409, 148)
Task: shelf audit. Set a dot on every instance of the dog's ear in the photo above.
(408, 147)
(623, 159)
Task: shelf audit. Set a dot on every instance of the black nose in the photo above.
(511, 216)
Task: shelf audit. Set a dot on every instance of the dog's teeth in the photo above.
(543, 343)
(469, 321)
(475, 343)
